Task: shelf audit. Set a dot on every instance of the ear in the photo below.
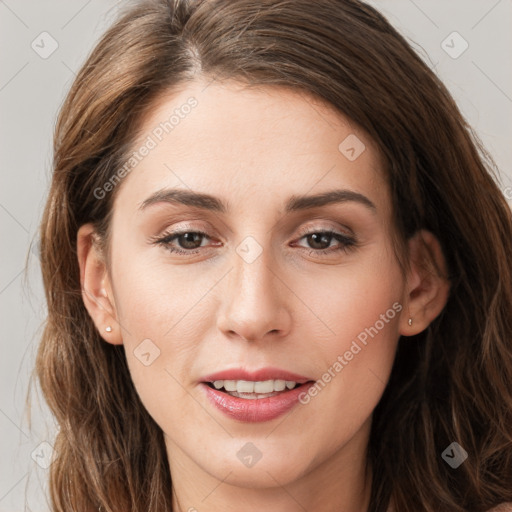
(95, 285)
(428, 286)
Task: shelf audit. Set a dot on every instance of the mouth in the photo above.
(254, 390)
(250, 400)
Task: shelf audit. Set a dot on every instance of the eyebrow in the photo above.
(294, 203)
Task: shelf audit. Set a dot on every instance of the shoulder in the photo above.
(503, 507)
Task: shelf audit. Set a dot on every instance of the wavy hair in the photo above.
(452, 382)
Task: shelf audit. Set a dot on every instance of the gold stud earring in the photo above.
(108, 328)
(409, 321)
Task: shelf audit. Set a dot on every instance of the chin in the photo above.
(257, 468)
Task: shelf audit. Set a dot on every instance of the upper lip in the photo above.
(261, 374)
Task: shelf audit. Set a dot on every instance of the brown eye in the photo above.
(188, 242)
(320, 242)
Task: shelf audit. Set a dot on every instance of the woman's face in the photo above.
(256, 291)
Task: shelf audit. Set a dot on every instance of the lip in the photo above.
(257, 410)
(256, 375)
(261, 409)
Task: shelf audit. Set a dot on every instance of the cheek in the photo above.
(156, 299)
(360, 310)
(163, 314)
(351, 298)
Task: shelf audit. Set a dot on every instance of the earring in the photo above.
(108, 328)
(409, 321)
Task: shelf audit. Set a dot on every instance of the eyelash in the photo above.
(347, 242)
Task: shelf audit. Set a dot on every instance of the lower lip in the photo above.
(260, 409)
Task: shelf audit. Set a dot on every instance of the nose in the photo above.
(254, 305)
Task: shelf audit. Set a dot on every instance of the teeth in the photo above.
(259, 387)
(230, 385)
(244, 386)
(266, 386)
(280, 385)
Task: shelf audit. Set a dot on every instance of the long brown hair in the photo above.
(452, 382)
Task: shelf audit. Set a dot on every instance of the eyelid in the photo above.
(186, 225)
(303, 230)
(306, 230)
(206, 229)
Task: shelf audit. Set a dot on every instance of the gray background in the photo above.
(32, 89)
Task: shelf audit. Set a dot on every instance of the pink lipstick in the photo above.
(262, 395)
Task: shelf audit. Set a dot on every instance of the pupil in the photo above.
(313, 240)
(189, 239)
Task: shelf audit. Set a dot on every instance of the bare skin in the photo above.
(292, 307)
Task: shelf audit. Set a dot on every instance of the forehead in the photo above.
(243, 144)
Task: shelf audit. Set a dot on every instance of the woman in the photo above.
(277, 272)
